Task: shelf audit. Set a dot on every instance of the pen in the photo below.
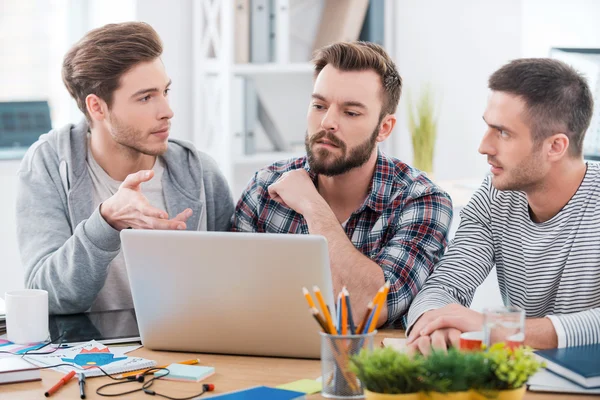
(81, 376)
(140, 371)
(59, 384)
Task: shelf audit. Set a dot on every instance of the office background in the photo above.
(452, 45)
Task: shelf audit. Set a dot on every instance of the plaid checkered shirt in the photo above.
(402, 225)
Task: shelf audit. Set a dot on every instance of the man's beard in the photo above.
(357, 157)
(133, 139)
(524, 177)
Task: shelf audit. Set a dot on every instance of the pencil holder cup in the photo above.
(338, 381)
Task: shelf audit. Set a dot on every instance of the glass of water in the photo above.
(504, 325)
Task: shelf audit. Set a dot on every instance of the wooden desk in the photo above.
(232, 373)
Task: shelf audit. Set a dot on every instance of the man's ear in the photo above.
(386, 127)
(557, 146)
(96, 107)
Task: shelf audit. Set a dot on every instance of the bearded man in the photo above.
(383, 220)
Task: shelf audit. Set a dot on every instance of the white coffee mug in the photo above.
(26, 316)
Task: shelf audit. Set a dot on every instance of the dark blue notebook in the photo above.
(580, 364)
(261, 393)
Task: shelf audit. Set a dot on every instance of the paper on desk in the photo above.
(308, 386)
(398, 344)
(116, 349)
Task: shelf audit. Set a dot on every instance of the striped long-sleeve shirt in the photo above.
(402, 224)
(550, 269)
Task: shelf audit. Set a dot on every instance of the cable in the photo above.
(207, 387)
(36, 350)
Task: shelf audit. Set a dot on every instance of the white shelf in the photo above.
(266, 158)
(272, 68)
(213, 68)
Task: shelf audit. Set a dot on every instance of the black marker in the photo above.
(81, 385)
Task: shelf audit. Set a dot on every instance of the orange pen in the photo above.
(59, 384)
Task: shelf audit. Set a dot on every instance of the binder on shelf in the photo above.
(282, 31)
(268, 126)
(340, 21)
(242, 31)
(250, 116)
(260, 31)
(373, 27)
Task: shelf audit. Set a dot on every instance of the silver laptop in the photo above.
(222, 292)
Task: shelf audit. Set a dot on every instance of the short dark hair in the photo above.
(361, 56)
(95, 64)
(558, 97)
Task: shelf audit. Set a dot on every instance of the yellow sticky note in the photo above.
(308, 386)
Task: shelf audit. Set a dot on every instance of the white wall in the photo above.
(558, 23)
(454, 45)
(173, 22)
(11, 274)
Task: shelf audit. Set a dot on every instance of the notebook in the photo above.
(15, 369)
(546, 381)
(85, 357)
(578, 364)
(261, 393)
(183, 372)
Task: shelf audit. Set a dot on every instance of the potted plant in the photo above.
(450, 375)
(505, 372)
(387, 374)
(422, 124)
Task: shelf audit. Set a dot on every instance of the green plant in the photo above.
(508, 368)
(454, 371)
(388, 371)
(422, 124)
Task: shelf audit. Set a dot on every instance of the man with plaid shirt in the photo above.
(383, 220)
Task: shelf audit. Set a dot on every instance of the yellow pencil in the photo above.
(309, 299)
(141, 371)
(325, 310)
(382, 300)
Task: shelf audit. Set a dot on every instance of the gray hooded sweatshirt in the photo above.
(66, 246)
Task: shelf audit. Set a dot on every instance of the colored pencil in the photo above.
(344, 328)
(325, 310)
(350, 317)
(319, 319)
(382, 300)
(309, 299)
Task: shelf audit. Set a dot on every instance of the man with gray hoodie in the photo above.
(80, 185)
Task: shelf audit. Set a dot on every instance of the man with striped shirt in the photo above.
(383, 220)
(537, 218)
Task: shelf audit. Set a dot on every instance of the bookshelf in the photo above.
(228, 91)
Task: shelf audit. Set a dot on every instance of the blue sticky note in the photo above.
(183, 372)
